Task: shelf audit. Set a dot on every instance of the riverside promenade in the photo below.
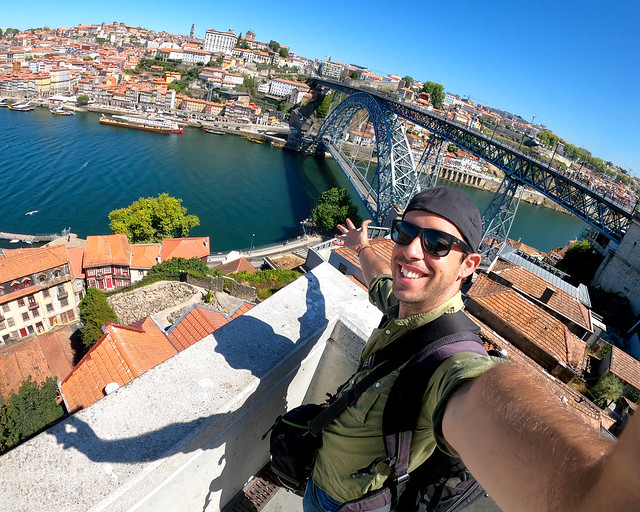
(30, 239)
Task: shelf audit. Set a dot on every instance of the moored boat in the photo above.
(21, 107)
(214, 132)
(62, 111)
(142, 123)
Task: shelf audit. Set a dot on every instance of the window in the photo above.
(61, 290)
(20, 302)
(15, 286)
(42, 278)
(30, 329)
(3, 325)
(11, 322)
(25, 317)
(64, 302)
(26, 282)
(49, 308)
(57, 273)
(32, 300)
(45, 293)
(5, 308)
(35, 313)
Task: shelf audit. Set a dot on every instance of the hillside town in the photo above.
(526, 309)
(229, 79)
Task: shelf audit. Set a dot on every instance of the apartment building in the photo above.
(107, 260)
(216, 41)
(282, 88)
(36, 291)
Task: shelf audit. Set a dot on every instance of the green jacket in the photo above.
(354, 439)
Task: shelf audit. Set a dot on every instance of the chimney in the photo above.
(546, 296)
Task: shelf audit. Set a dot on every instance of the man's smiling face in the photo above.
(422, 282)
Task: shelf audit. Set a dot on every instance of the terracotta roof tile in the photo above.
(535, 287)
(144, 255)
(538, 326)
(107, 250)
(122, 354)
(30, 261)
(625, 366)
(199, 322)
(195, 247)
(48, 355)
(381, 246)
(237, 265)
(76, 257)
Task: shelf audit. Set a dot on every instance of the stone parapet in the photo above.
(187, 435)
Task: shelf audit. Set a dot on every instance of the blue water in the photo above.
(74, 171)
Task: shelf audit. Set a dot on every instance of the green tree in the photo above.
(452, 148)
(95, 311)
(581, 261)
(408, 81)
(274, 45)
(607, 390)
(28, 412)
(284, 52)
(549, 139)
(323, 108)
(176, 265)
(436, 93)
(150, 219)
(333, 208)
(83, 99)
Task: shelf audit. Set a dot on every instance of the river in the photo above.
(74, 171)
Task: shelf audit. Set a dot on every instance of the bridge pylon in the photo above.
(498, 218)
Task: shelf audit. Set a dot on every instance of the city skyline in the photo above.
(569, 66)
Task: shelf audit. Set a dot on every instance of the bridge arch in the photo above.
(396, 179)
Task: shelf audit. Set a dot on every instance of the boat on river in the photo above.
(62, 111)
(214, 132)
(150, 124)
(21, 107)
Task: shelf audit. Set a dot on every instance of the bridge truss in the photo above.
(398, 178)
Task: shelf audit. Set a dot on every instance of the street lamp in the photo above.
(251, 247)
(554, 153)
(524, 132)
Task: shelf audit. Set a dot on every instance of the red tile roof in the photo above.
(144, 255)
(48, 355)
(535, 287)
(25, 262)
(76, 258)
(198, 323)
(381, 246)
(107, 250)
(121, 355)
(235, 266)
(195, 247)
(534, 323)
(625, 366)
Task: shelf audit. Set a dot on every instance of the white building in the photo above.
(220, 42)
(282, 88)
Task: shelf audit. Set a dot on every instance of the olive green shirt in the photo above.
(354, 439)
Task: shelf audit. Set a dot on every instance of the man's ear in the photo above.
(469, 265)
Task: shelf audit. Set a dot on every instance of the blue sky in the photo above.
(574, 65)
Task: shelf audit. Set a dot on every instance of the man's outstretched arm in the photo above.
(531, 454)
(358, 241)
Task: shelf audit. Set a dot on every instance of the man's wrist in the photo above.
(363, 248)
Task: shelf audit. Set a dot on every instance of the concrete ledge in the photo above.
(186, 435)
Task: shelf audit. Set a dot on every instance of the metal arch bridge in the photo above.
(398, 178)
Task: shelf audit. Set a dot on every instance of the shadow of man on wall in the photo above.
(246, 343)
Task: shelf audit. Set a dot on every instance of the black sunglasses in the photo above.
(434, 242)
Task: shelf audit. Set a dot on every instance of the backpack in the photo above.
(441, 483)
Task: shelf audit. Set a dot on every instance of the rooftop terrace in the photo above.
(187, 435)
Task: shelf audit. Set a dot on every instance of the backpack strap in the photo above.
(405, 398)
(388, 359)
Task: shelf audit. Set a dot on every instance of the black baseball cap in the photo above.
(453, 206)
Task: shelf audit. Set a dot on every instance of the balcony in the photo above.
(187, 435)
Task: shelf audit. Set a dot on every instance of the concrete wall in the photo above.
(620, 271)
(186, 435)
